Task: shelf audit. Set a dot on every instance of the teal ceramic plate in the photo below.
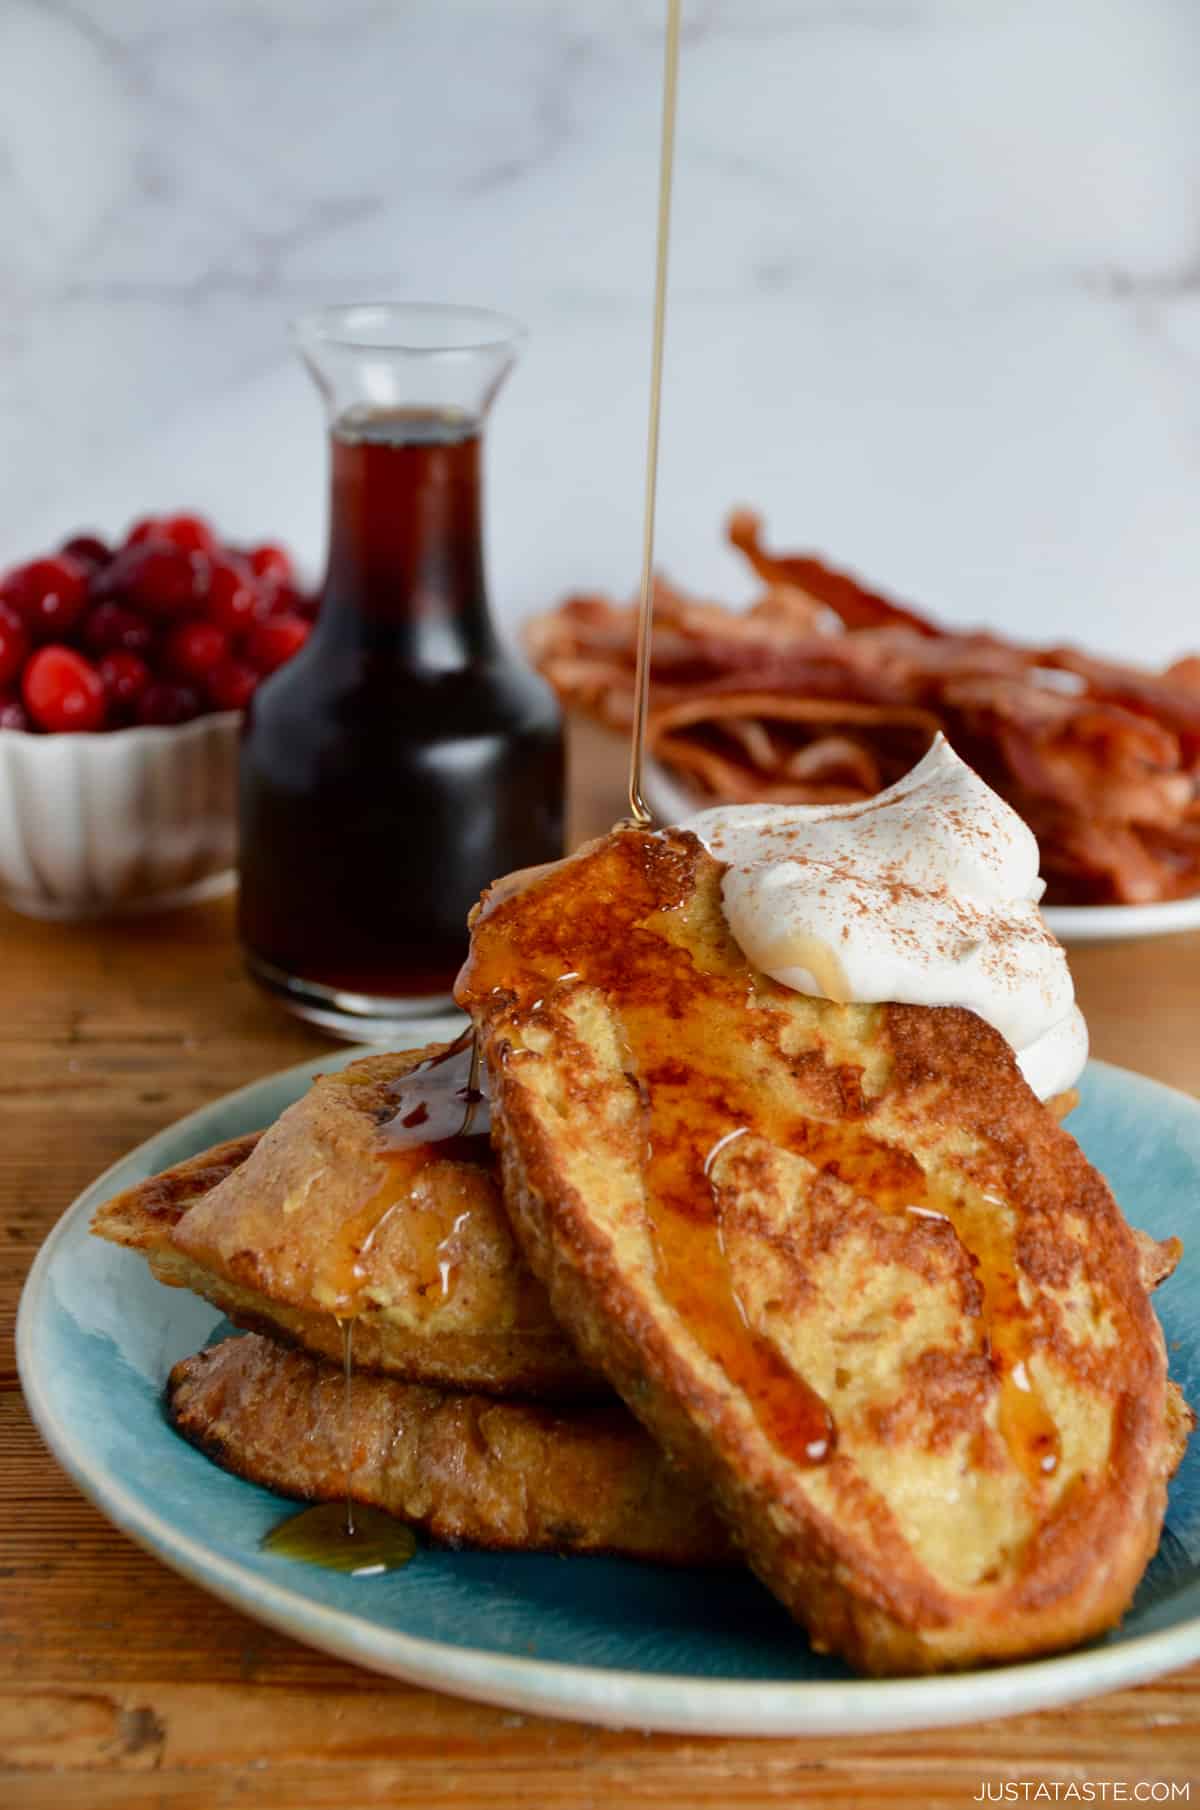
(601, 1640)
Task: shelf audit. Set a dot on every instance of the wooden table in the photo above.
(120, 1684)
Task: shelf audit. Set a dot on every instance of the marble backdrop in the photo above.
(935, 300)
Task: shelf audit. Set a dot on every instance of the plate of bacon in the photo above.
(825, 692)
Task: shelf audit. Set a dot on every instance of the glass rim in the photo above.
(424, 329)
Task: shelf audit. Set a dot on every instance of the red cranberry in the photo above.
(51, 595)
(14, 644)
(144, 529)
(231, 684)
(124, 677)
(62, 690)
(114, 625)
(190, 533)
(13, 714)
(279, 600)
(165, 703)
(231, 597)
(87, 550)
(274, 641)
(163, 580)
(270, 561)
(194, 648)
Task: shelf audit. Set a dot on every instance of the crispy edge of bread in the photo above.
(143, 1217)
(499, 1364)
(469, 1470)
(1181, 1424)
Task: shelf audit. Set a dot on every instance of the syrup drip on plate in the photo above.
(344, 1536)
(318, 1536)
(441, 1111)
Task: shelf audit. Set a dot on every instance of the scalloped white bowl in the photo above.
(129, 820)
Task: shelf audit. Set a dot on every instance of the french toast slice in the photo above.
(466, 1468)
(319, 1219)
(839, 1260)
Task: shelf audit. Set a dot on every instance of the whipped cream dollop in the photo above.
(927, 893)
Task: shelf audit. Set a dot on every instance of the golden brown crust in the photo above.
(467, 1469)
(1157, 1258)
(993, 1369)
(1181, 1424)
(267, 1226)
(496, 1363)
(145, 1215)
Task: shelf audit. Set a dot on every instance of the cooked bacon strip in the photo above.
(1166, 699)
(1186, 672)
(747, 745)
(824, 690)
(1066, 748)
(857, 607)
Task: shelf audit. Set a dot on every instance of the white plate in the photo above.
(671, 801)
(1120, 923)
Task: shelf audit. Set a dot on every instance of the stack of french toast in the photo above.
(730, 1275)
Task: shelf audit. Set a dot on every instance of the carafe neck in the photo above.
(406, 534)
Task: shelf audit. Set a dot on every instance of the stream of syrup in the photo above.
(344, 1536)
(639, 810)
(347, 1327)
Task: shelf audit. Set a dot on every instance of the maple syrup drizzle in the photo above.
(680, 1023)
(441, 1111)
(1024, 1422)
(897, 1183)
(893, 1181)
(694, 1275)
(347, 1327)
(439, 1101)
(639, 810)
(449, 1253)
(691, 1101)
(473, 1096)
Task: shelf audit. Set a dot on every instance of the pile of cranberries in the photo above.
(169, 625)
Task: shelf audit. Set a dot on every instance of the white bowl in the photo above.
(127, 820)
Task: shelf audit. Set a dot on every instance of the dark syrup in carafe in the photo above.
(404, 759)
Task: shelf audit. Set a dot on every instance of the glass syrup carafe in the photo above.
(404, 758)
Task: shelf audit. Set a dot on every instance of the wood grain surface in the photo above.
(122, 1685)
